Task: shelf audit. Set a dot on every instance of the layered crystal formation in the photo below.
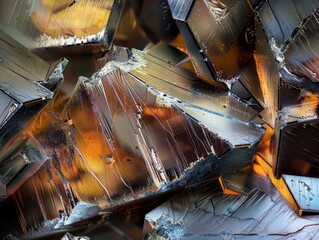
(220, 48)
(145, 137)
(46, 23)
(253, 210)
(26, 84)
(218, 121)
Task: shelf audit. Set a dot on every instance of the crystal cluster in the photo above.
(171, 119)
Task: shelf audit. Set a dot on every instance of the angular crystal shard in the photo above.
(219, 49)
(18, 59)
(20, 100)
(281, 20)
(296, 134)
(144, 128)
(10, 168)
(25, 80)
(149, 122)
(206, 212)
(301, 53)
(56, 75)
(304, 191)
(261, 76)
(7, 107)
(15, 170)
(46, 23)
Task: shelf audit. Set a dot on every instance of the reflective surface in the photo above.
(46, 23)
(254, 210)
(204, 124)
(222, 47)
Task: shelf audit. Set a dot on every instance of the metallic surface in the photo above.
(210, 129)
(256, 211)
(217, 49)
(145, 126)
(45, 23)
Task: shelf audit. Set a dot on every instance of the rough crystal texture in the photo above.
(219, 49)
(144, 137)
(143, 127)
(26, 85)
(46, 23)
(281, 20)
(20, 100)
(305, 192)
(301, 53)
(205, 212)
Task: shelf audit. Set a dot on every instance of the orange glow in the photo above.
(264, 147)
(226, 190)
(278, 183)
(179, 43)
(82, 18)
(268, 86)
(258, 170)
(63, 168)
(308, 105)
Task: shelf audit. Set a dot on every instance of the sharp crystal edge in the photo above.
(281, 42)
(180, 10)
(292, 93)
(298, 191)
(56, 75)
(220, 48)
(26, 85)
(144, 126)
(293, 44)
(254, 210)
(297, 126)
(16, 58)
(261, 76)
(22, 80)
(304, 191)
(294, 90)
(20, 101)
(301, 53)
(281, 20)
(158, 126)
(43, 23)
(281, 56)
(16, 169)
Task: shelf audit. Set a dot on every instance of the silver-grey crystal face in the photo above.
(22, 96)
(219, 48)
(200, 122)
(255, 209)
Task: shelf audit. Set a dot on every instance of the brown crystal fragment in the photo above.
(47, 23)
(221, 48)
